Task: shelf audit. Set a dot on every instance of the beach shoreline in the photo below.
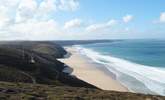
(90, 72)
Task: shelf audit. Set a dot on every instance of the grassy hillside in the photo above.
(35, 62)
(22, 91)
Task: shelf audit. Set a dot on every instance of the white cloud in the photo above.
(3, 16)
(30, 19)
(47, 6)
(96, 27)
(69, 5)
(102, 26)
(33, 29)
(26, 10)
(127, 18)
(73, 24)
(9, 3)
(162, 17)
(6, 9)
(112, 22)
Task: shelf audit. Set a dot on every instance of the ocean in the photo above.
(139, 65)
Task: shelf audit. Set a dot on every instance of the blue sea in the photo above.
(137, 64)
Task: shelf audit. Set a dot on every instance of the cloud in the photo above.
(47, 6)
(3, 17)
(74, 23)
(113, 27)
(127, 18)
(9, 3)
(112, 22)
(31, 19)
(33, 29)
(69, 5)
(162, 17)
(6, 9)
(96, 27)
(35, 20)
(26, 10)
(101, 27)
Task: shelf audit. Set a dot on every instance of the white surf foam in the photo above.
(151, 77)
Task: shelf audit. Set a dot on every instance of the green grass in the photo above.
(24, 91)
(15, 65)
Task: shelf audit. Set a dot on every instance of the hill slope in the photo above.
(35, 62)
(22, 91)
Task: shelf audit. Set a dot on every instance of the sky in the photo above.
(81, 19)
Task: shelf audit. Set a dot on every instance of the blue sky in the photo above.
(81, 19)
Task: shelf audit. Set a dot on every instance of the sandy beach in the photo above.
(88, 71)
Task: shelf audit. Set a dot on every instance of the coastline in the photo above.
(86, 70)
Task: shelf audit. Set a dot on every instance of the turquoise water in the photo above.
(137, 64)
(147, 52)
